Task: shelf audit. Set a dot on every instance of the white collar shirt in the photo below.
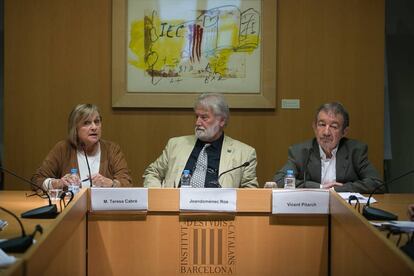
(328, 166)
(94, 162)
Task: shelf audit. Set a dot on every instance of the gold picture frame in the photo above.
(265, 98)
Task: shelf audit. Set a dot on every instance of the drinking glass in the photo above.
(270, 185)
(55, 194)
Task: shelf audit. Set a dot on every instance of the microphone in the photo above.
(217, 184)
(87, 163)
(372, 213)
(19, 244)
(245, 164)
(48, 211)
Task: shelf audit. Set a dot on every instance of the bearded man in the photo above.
(208, 154)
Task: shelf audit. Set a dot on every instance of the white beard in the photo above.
(207, 134)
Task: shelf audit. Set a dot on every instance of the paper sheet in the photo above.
(6, 260)
(361, 198)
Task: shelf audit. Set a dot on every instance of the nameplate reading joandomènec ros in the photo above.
(110, 199)
(208, 199)
(300, 201)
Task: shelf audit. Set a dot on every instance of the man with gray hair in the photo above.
(331, 160)
(208, 154)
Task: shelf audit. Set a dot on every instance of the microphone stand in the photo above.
(45, 212)
(372, 213)
(217, 184)
(19, 244)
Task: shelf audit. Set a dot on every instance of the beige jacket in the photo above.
(167, 169)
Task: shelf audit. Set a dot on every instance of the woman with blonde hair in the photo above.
(84, 150)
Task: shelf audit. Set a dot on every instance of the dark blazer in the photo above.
(353, 168)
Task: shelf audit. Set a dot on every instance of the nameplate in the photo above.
(300, 201)
(208, 199)
(110, 199)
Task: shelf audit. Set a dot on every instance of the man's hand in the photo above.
(332, 184)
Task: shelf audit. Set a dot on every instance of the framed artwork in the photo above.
(166, 52)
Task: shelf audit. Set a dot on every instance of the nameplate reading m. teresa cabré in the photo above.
(300, 201)
(208, 199)
(110, 199)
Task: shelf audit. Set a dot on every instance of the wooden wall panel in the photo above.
(58, 54)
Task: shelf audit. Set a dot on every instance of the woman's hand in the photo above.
(68, 179)
(56, 184)
(99, 180)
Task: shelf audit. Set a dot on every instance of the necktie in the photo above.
(199, 175)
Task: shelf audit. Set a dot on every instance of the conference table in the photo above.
(62, 246)
(165, 241)
(358, 248)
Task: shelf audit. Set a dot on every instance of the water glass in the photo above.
(270, 185)
(55, 194)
